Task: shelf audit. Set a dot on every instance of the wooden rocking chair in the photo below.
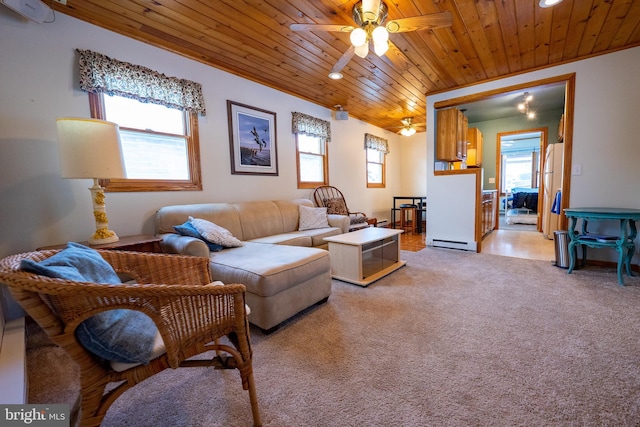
(170, 289)
(332, 199)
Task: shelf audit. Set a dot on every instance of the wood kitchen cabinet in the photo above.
(451, 137)
(474, 147)
(488, 211)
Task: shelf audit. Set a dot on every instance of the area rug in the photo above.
(452, 339)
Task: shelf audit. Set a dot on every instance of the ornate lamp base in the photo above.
(102, 235)
(112, 239)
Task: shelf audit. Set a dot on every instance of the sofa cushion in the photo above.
(312, 218)
(317, 235)
(214, 233)
(259, 219)
(267, 270)
(291, 239)
(222, 214)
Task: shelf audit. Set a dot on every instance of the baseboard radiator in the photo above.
(453, 244)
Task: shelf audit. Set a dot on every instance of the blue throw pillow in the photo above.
(118, 335)
(187, 229)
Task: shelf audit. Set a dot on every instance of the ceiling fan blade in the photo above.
(424, 22)
(321, 27)
(405, 126)
(344, 59)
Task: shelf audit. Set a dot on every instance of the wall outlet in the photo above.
(576, 169)
(492, 180)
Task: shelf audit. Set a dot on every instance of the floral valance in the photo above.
(101, 74)
(308, 125)
(376, 143)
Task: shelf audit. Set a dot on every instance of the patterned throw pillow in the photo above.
(312, 218)
(215, 234)
(187, 229)
(335, 206)
(358, 219)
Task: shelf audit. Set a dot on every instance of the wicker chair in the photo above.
(332, 199)
(170, 289)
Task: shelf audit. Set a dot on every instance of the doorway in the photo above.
(518, 179)
(500, 101)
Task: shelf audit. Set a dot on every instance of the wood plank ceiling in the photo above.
(488, 39)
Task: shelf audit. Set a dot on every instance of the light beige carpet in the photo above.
(452, 339)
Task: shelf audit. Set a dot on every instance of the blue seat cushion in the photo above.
(117, 335)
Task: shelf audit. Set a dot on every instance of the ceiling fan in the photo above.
(408, 127)
(370, 16)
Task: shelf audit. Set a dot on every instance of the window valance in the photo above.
(376, 143)
(101, 74)
(312, 126)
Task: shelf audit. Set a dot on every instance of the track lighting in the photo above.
(525, 107)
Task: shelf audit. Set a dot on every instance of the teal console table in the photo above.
(623, 243)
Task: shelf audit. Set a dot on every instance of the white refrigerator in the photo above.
(552, 189)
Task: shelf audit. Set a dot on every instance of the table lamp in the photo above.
(90, 148)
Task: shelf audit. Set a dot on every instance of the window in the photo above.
(377, 149)
(160, 141)
(160, 144)
(520, 170)
(375, 168)
(311, 154)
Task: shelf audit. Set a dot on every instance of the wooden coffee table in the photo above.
(364, 256)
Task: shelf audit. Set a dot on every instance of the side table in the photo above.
(623, 243)
(137, 243)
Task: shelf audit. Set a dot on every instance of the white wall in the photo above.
(39, 83)
(605, 133)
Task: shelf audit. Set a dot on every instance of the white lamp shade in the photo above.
(89, 148)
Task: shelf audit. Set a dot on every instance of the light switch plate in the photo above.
(576, 169)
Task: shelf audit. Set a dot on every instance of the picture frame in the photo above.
(252, 140)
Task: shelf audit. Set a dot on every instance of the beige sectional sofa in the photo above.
(285, 270)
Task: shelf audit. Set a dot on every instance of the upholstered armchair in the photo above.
(191, 314)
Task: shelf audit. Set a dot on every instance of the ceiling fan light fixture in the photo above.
(408, 131)
(362, 50)
(549, 3)
(381, 48)
(358, 37)
(380, 35)
(370, 10)
(334, 75)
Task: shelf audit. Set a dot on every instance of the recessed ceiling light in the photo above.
(549, 3)
(335, 76)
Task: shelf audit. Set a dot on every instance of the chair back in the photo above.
(324, 194)
(43, 299)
